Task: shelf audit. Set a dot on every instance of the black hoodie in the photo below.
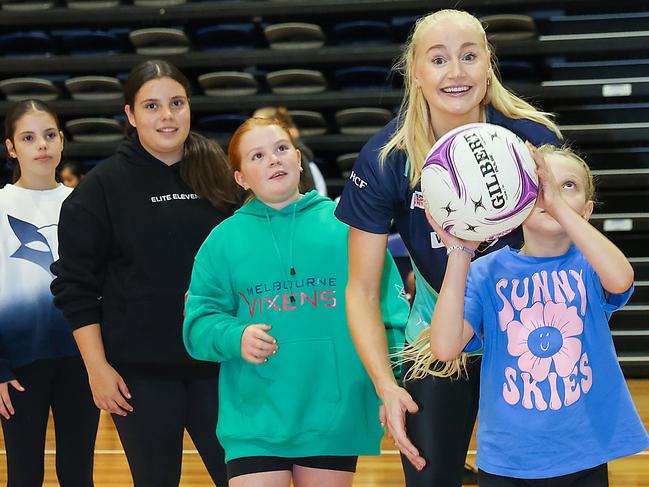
(128, 235)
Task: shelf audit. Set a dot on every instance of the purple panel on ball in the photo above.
(442, 157)
(529, 189)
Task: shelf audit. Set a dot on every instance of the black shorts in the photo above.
(247, 465)
(592, 477)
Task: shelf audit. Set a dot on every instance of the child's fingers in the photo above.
(538, 157)
(264, 337)
(16, 385)
(253, 359)
(263, 349)
(262, 326)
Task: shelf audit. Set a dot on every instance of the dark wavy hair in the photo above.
(204, 166)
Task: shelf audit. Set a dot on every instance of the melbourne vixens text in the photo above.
(272, 296)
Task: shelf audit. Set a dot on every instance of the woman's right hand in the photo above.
(397, 402)
(447, 238)
(109, 391)
(6, 408)
(256, 344)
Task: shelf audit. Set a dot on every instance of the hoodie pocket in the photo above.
(296, 391)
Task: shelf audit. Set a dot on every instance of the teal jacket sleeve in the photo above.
(394, 309)
(211, 329)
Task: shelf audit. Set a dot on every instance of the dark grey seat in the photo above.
(16, 89)
(301, 81)
(294, 35)
(228, 83)
(362, 121)
(157, 3)
(309, 122)
(94, 129)
(94, 88)
(92, 4)
(509, 27)
(345, 162)
(159, 41)
(26, 5)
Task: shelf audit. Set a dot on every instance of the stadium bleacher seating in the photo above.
(329, 63)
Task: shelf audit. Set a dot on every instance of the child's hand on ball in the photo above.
(549, 192)
(447, 238)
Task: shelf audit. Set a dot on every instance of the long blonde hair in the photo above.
(414, 134)
(423, 361)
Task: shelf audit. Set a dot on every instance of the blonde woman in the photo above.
(450, 80)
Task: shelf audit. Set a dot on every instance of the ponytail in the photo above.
(15, 176)
(206, 170)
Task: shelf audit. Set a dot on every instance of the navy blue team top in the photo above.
(377, 195)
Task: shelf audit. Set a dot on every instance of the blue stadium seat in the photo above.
(226, 36)
(402, 26)
(363, 32)
(362, 77)
(86, 41)
(32, 43)
(220, 126)
(517, 70)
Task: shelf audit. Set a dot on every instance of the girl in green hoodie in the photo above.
(267, 300)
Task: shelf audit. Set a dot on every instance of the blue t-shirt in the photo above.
(376, 194)
(553, 400)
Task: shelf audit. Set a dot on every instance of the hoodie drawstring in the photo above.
(291, 238)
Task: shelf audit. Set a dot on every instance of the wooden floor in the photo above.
(111, 469)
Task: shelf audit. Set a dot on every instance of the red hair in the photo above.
(233, 149)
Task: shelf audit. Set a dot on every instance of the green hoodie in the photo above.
(313, 397)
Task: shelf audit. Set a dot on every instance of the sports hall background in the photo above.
(328, 62)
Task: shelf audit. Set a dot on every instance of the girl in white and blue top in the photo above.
(40, 366)
(554, 405)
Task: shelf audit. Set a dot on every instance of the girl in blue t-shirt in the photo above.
(553, 401)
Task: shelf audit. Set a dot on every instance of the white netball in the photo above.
(479, 181)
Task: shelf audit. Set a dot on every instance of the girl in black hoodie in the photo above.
(127, 239)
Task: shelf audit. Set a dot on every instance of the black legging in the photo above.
(442, 428)
(152, 435)
(61, 384)
(592, 477)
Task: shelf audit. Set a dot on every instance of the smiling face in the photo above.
(269, 165)
(451, 68)
(161, 116)
(573, 179)
(37, 144)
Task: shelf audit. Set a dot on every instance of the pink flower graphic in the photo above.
(545, 334)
